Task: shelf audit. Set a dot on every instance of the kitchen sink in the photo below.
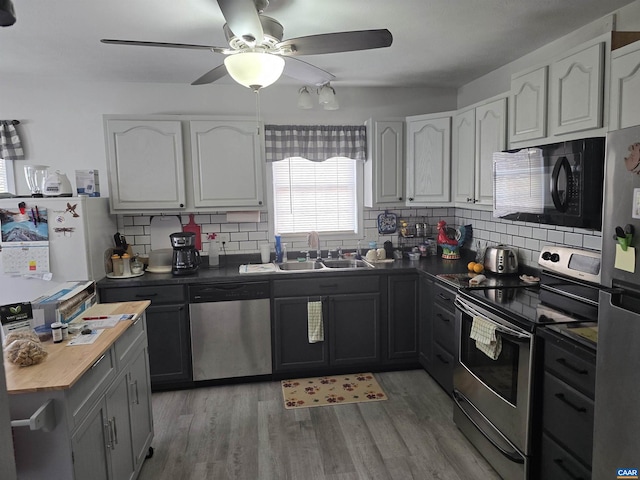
(346, 263)
(324, 265)
(299, 266)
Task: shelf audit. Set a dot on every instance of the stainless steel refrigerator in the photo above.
(617, 410)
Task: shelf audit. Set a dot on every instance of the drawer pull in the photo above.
(562, 361)
(442, 317)
(442, 359)
(329, 285)
(444, 297)
(141, 295)
(568, 471)
(562, 398)
(97, 362)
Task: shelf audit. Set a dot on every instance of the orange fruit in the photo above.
(471, 265)
(478, 268)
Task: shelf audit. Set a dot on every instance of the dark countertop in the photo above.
(228, 272)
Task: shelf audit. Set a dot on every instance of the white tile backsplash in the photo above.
(527, 237)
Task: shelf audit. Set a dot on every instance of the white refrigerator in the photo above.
(51, 240)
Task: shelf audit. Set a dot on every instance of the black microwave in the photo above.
(556, 184)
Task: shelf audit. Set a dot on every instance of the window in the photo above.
(317, 196)
(317, 178)
(6, 176)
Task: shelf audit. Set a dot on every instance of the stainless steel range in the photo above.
(494, 374)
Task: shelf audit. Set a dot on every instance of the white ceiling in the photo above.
(437, 43)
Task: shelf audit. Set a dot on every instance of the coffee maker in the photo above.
(186, 257)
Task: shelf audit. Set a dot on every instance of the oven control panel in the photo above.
(572, 262)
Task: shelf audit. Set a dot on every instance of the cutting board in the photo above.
(194, 228)
(161, 227)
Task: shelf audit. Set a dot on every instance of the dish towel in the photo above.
(10, 144)
(484, 333)
(315, 328)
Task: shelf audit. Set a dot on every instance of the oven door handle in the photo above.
(464, 307)
(513, 456)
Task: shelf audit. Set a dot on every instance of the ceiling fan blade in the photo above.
(243, 20)
(163, 44)
(338, 42)
(305, 72)
(211, 76)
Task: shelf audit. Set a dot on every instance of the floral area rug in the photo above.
(332, 390)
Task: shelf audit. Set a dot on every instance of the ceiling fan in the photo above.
(257, 55)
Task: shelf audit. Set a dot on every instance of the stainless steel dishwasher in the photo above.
(230, 330)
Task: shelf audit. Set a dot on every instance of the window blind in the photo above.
(315, 196)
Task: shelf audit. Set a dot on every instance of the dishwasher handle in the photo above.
(226, 292)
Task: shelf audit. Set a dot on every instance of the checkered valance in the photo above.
(10, 145)
(315, 142)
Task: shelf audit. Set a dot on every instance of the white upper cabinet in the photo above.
(464, 155)
(384, 170)
(478, 132)
(491, 136)
(429, 159)
(146, 165)
(227, 161)
(576, 90)
(625, 87)
(528, 105)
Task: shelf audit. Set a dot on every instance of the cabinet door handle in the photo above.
(115, 433)
(442, 359)
(399, 198)
(97, 362)
(107, 433)
(562, 398)
(568, 471)
(137, 395)
(562, 361)
(411, 199)
(442, 317)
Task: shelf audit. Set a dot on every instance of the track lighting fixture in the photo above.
(326, 98)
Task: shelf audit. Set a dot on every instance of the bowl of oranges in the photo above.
(475, 267)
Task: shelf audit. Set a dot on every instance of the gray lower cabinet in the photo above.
(168, 330)
(438, 349)
(102, 444)
(351, 320)
(425, 330)
(402, 319)
(104, 422)
(568, 390)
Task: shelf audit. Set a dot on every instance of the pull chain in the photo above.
(258, 110)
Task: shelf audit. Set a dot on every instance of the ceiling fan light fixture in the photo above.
(305, 101)
(254, 70)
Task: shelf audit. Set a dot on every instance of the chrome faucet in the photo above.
(313, 240)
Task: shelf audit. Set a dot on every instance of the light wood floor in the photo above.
(244, 432)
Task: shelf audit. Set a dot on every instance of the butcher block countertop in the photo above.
(64, 365)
